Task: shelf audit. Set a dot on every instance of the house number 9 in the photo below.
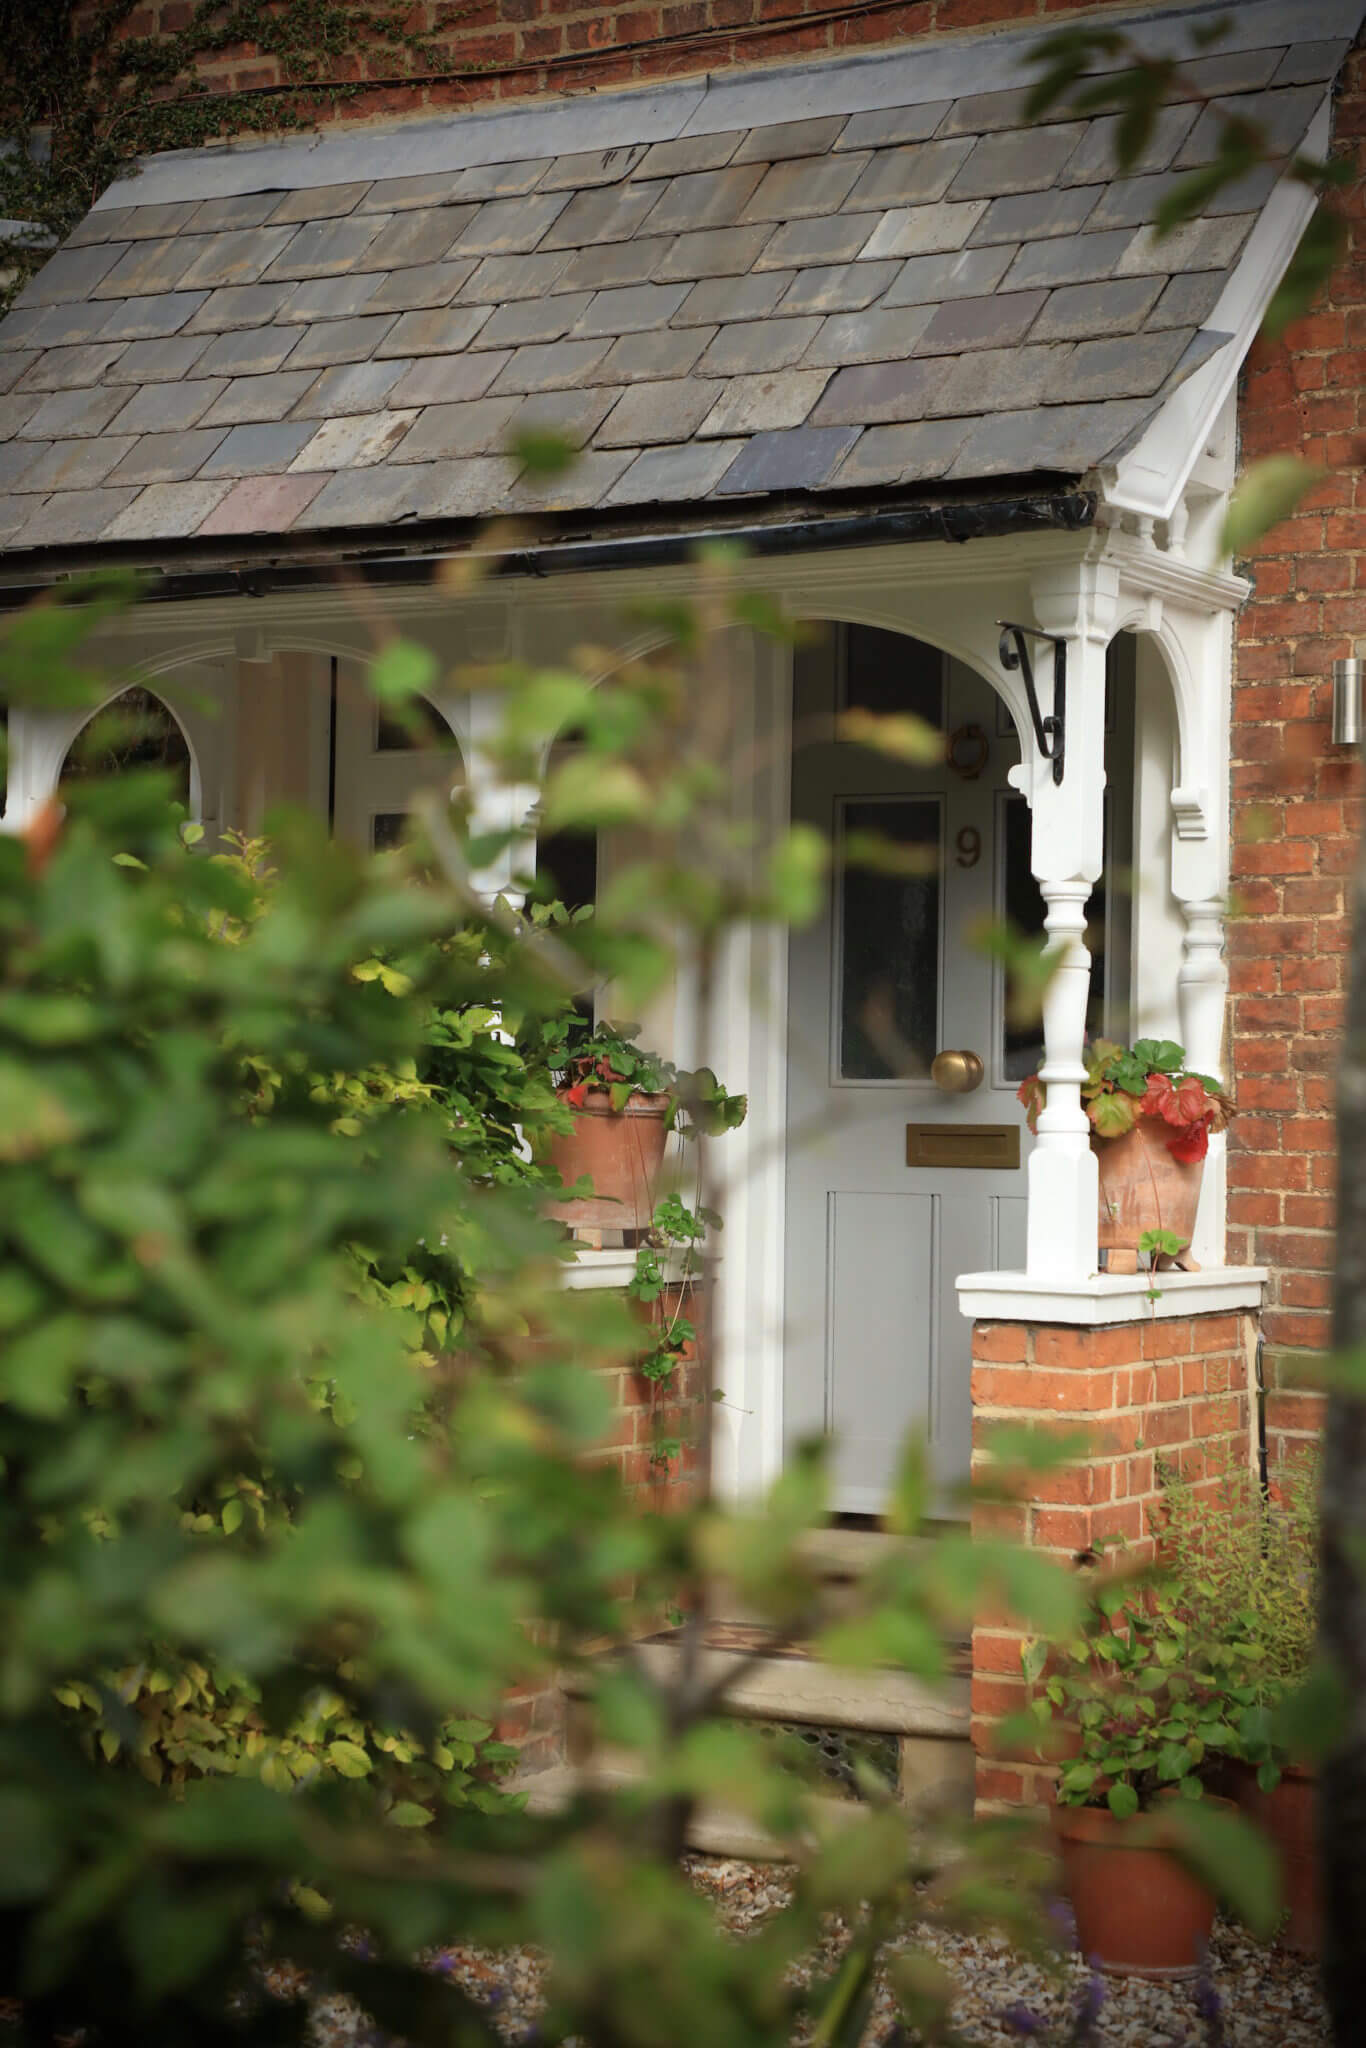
(969, 844)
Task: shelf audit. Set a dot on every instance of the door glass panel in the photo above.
(889, 945)
(891, 672)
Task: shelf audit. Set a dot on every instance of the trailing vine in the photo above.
(81, 97)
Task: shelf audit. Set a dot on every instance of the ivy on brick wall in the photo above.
(87, 88)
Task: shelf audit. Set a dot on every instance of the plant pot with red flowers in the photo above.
(1151, 1119)
(1145, 1719)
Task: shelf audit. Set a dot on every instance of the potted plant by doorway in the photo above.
(1151, 1119)
(1140, 1709)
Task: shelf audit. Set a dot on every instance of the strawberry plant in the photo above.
(1148, 1079)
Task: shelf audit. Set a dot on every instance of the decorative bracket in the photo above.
(1050, 733)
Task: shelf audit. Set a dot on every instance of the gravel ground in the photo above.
(1262, 1997)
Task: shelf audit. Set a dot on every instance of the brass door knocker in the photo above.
(969, 751)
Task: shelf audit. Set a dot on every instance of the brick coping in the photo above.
(1109, 1297)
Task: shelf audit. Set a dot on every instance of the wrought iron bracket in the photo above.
(1051, 732)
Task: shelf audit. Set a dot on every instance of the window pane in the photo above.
(136, 730)
(388, 829)
(889, 946)
(891, 672)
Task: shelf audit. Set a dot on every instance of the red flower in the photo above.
(577, 1095)
(1191, 1143)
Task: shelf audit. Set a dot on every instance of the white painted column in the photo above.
(38, 744)
(496, 805)
(1067, 851)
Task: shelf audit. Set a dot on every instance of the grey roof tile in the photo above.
(874, 336)
(1129, 202)
(880, 391)
(797, 459)
(237, 210)
(609, 213)
(69, 465)
(960, 274)
(1070, 259)
(1067, 438)
(70, 413)
(784, 139)
(500, 181)
(748, 346)
(887, 125)
(837, 287)
(803, 243)
(325, 298)
(732, 298)
(924, 230)
(810, 186)
(703, 199)
(258, 398)
(18, 327)
(1189, 300)
(262, 450)
(72, 518)
(167, 408)
(359, 497)
(1133, 366)
(356, 442)
(1026, 161)
(13, 514)
(630, 310)
(248, 352)
(663, 476)
(147, 267)
(594, 167)
(396, 195)
(1281, 118)
(993, 322)
(17, 459)
(632, 262)
(669, 411)
(1033, 216)
(325, 248)
(423, 236)
(713, 252)
(910, 175)
(71, 275)
(434, 380)
(573, 414)
(551, 366)
(1197, 245)
(151, 318)
(66, 326)
(510, 227)
(166, 458)
(242, 305)
(997, 379)
(499, 278)
(66, 369)
(986, 113)
(342, 341)
(103, 225)
(166, 511)
(437, 331)
(351, 387)
(1116, 306)
(13, 366)
(1231, 70)
(321, 202)
(910, 453)
(1094, 159)
(149, 223)
(471, 489)
(753, 405)
(533, 320)
(659, 355)
(690, 153)
(590, 479)
(263, 504)
(476, 427)
(16, 413)
(1308, 61)
(241, 257)
(427, 284)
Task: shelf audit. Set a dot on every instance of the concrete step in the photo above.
(715, 1831)
(820, 1695)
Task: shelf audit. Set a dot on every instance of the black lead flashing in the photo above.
(959, 521)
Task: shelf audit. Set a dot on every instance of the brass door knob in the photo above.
(957, 1073)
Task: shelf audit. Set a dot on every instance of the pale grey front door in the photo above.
(884, 1207)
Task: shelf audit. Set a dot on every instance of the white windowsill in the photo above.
(1108, 1297)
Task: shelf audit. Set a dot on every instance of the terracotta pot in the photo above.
(621, 1151)
(1289, 1818)
(1140, 1912)
(1143, 1188)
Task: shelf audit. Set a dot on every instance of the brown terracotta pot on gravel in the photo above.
(1143, 1188)
(621, 1151)
(1140, 1912)
(1288, 1817)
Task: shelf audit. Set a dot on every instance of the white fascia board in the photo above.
(1150, 479)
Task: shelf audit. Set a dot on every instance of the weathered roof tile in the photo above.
(499, 181)
(237, 258)
(593, 167)
(166, 511)
(474, 427)
(423, 236)
(750, 345)
(839, 238)
(887, 125)
(873, 336)
(1188, 300)
(712, 252)
(258, 450)
(351, 387)
(73, 518)
(551, 366)
(1026, 161)
(812, 186)
(924, 230)
(69, 413)
(902, 454)
(632, 262)
(1070, 259)
(738, 298)
(500, 278)
(796, 459)
(1061, 437)
(1116, 306)
(258, 398)
(533, 319)
(167, 458)
(72, 275)
(589, 481)
(248, 351)
(427, 284)
(630, 309)
(245, 305)
(320, 202)
(166, 408)
(790, 139)
(703, 199)
(238, 210)
(342, 341)
(609, 213)
(753, 405)
(880, 391)
(1093, 161)
(150, 318)
(67, 369)
(355, 442)
(509, 227)
(1129, 367)
(660, 354)
(690, 153)
(1032, 216)
(263, 504)
(911, 175)
(668, 411)
(838, 287)
(434, 379)
(324, 248)
(959, 274)
(436, 331)
(992, 322)
(74, 465)
(1197, 245)
(665, 475)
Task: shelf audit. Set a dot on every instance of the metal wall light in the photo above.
(1348, 722)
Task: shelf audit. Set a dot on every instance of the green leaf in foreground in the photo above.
(1267, 494)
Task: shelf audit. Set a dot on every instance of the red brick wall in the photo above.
(1296, 813)
(505, 49)
(1174, 1388)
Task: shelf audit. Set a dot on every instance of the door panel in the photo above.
(886, 977)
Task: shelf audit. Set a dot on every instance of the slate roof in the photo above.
(851, 276)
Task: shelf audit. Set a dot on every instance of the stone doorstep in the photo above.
(822, 1696)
